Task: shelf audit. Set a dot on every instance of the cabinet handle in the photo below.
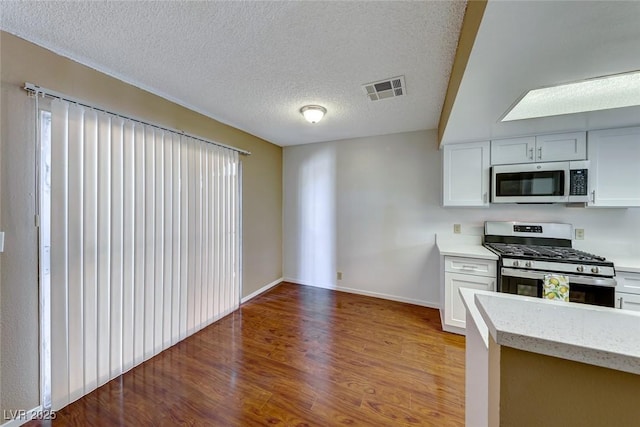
(620, 299)
(593, 196)
(484, 197)
(469, 267)
(540, 153)
(530, 153)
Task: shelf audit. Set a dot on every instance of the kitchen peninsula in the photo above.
(533, 362)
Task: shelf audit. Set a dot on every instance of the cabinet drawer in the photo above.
(628, 283)
(628, 301)
(475, 266)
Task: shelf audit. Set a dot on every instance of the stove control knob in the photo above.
(580, 268)
(528, 264)
(515, 263)
(595, 270)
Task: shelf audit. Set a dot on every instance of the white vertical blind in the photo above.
(145, 250)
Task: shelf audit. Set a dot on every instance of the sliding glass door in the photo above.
(144, 238)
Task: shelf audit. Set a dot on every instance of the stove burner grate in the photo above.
(544, 252)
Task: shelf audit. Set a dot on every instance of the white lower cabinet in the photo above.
(628, 291)
(472, 273)
(455, 313)
(628, 301)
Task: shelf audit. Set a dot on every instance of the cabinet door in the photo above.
(466, 174)
(561, 147)
(513, 150)
(454, 312)
(628, 301)
(614, 174)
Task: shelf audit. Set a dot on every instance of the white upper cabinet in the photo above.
(513, 150)
(541, 148)
(561, 147)
(466, 174)
(614, 173)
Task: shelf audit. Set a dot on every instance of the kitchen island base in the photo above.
(538, 390)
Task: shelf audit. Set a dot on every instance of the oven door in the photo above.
(582, 289)
(530, 183)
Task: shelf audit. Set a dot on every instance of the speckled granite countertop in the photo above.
(463, 246)
(599, 336)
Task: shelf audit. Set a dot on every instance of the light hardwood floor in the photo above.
(298, 356)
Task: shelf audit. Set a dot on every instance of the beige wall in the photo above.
(22, 62)
(537, 390)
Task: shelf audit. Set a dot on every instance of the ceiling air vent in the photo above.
(388, 88)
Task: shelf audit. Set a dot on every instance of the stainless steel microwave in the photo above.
(552, 182)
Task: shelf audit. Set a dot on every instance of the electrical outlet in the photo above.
(456, 228)
(579, 233)
(339, 275)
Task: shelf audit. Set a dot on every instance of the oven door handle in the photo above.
(580, 280)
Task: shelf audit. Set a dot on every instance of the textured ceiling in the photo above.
(523, 45)
(253, 65)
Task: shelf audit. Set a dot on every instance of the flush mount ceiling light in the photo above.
(600, 93)
(313, 113)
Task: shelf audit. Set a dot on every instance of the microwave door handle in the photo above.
(579, 280)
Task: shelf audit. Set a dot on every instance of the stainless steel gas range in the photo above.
(530, 251)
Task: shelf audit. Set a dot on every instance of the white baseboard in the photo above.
(20, 417)
(314, 284)
(422, 303)
(263, 289)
